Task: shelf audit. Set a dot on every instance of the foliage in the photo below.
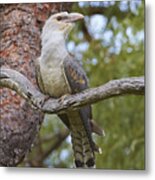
(110, 45)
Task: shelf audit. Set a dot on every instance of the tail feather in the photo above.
(83, 152)
(77, 148)
(96, 129)
(83, 145)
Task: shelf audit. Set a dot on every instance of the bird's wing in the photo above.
(75, 75)
(78, 81)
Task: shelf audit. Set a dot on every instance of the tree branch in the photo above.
(16, 81)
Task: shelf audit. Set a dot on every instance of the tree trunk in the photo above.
(19, 46)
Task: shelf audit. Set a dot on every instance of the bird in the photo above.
(58, 74)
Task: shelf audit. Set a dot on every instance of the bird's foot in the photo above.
(40, 101)
(62, 98)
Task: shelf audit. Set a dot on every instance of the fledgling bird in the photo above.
(58, 74)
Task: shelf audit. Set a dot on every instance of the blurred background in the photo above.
(110, 45)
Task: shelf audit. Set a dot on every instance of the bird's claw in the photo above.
(40, 101)
(62, 98)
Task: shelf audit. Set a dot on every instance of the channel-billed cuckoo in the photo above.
(59, 74)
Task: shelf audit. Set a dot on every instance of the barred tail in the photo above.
(83, 152)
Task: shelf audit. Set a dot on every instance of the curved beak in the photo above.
(73, 17)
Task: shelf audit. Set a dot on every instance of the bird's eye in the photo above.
(59, 18)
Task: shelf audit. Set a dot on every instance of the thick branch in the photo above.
(16, 81)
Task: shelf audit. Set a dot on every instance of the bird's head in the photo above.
(62, 22)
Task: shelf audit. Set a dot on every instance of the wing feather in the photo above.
(78, 82)
(75, 75)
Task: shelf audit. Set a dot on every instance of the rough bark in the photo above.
(20, 26)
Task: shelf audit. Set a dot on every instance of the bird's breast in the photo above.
(54, 81)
